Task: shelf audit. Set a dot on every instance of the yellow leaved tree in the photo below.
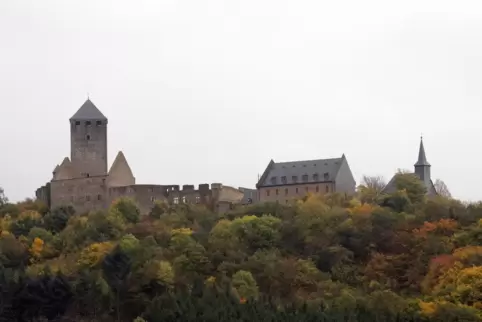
(36, 249)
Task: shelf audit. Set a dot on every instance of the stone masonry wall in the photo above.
(84, 194)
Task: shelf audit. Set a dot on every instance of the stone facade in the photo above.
(284, 181)
(84, 182)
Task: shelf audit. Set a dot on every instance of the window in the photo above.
(317, 189)
(176, 200)
(277, 192)
(87, 198)
(88, 123)
(283, 179)
(305, 178)
(326, 176)
(77, 122)
(153, 199)
(267, 193)
(296, 190)
(294, 179)
(98, 123)
(71, 198)
(99, 197)
(87, 137)
(316, 177)
(286, 200)
(184, 199)
(327, 189)
(198, 199)
(273, 180)
(286, 191)
(149, 189)
(87, 175)
(307, 189)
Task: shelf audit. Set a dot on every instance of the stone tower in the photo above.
(88, 141)
(422, 167)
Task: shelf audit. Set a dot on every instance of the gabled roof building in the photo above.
(283, 181)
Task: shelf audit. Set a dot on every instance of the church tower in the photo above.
(422, 167)
(88, 141)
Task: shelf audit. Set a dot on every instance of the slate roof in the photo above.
(298, 172)
(422, 158)
(88, 111)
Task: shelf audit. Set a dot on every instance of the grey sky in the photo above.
(209, 91)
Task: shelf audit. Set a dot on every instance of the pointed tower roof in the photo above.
(422, 158)
(88, 111)
(120, 173)
(64, 171)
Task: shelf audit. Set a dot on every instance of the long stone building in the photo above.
(284, 181)
(85, 182)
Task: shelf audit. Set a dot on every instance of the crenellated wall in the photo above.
(84, 182)
(146, 195)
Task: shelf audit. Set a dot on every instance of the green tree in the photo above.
(56, 220)
(413, 186)
(127, 208)
(245, 285)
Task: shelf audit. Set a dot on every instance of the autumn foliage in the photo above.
(371, 257)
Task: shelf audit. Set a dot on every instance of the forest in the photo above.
(370, 257)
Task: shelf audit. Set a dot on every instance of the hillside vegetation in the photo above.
(373, 257)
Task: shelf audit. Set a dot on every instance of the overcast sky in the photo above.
(201, 91)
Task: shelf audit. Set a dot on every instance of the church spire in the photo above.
(422, 158)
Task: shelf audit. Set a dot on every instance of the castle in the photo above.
(85, 182)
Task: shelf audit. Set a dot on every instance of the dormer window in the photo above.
(294, 179)
(283, 180)
(326, 176)
(88, 123)
(273, 180)
(315, 177)
(304, 178)
(98, 123)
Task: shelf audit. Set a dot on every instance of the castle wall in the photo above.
(43, 194)
(144, 195)
(84, 194)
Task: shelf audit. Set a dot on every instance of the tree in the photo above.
(413, 186)
(442, 189)
(56, 220)
(245, 285)
(371, 188)
(127, 208)
(3, 198)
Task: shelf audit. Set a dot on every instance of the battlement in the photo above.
(84, 181)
